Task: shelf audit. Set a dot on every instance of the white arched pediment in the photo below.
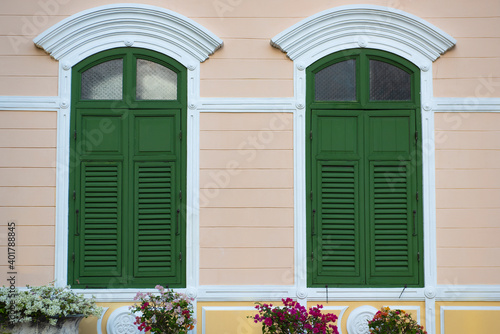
(137, 25)
(356, 26)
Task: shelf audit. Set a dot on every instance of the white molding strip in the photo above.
(440, 104)
(366, 294)
(244, 292)
(355, 26)
(118, 25)
(225, 293)
(483, 293)
(245, 105)
(467, 104)
(464, 308)
(117, 295)
(30, 103)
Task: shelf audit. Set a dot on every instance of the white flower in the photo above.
(45, 302)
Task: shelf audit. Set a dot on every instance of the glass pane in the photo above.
(103, 81)
(337, 82)
(155, 82)
(388, 82)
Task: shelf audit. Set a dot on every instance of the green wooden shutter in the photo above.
(337, 251)
(98, 225)
(363, 167)
(156, 220)
(336, 224)
(392, 246)
(391, 197)
(127, 173)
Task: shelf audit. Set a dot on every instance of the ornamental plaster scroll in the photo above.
(119, 25)
(121, 321)
(357, 322)
(365, 26)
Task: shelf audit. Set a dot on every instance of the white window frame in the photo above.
(127, 25)
(381, 28)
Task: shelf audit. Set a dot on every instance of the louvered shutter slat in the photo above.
(100, 251)
(392, 246)
(338, 224)
(155, 208)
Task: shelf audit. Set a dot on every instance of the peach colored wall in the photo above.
(468, 197)
(27, 193)
(246, 198)
(247, 66)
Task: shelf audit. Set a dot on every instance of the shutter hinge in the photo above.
(180, 195)
(311, 195)
(417, 196)
(74, 195)
(312, 256)
(73, 257)
(418, 256)
(180, 135)
(74, 135)
(416, 136)
(180, 256)
(311, 135)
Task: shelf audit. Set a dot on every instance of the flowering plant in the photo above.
(387, 321)
(294, 318)
(168, 312)
(45, 303)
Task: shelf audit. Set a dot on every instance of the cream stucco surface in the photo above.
(246, 199)
(468, 198)
(27, 193)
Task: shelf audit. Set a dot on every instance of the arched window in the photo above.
(127, 171)
(363, 171)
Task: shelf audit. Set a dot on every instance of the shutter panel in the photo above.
(392, 245)
(127, 167)
(156, 220)
(337, 224)
(364, 173)
(100, 221)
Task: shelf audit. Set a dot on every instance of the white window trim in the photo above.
(381, 28)
(125, 25)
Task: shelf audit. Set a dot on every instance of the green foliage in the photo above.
(387, 321)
